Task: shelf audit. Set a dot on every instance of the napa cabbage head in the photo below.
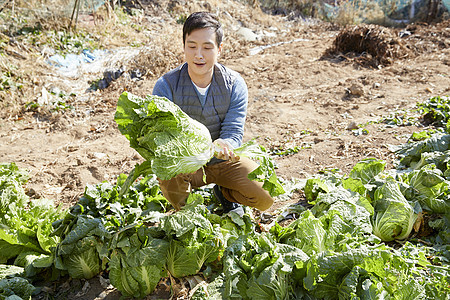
(171, 142)
(394, 217)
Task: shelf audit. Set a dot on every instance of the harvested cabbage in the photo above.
(170, 141)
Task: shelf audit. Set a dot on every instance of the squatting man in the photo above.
(217, 97)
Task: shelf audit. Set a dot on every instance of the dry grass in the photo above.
(161, 53)
(50, 14)
(357, 12)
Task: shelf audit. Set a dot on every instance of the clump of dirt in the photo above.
(368, 45)
(422, 37)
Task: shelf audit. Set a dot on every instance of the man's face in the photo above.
(201, 53)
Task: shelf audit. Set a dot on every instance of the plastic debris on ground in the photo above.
(100, 66)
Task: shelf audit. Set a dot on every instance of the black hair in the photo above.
(203, 19)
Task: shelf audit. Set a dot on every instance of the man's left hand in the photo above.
(224, 150)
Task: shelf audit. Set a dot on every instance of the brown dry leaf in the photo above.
(419, 222)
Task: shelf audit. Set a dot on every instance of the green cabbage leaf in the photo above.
(411, 153)
(16, 288)
(428, 187)
(362, 273)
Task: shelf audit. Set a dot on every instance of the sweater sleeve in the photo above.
(233, 125)
(162, 89)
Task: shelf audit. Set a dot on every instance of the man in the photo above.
(217, 97)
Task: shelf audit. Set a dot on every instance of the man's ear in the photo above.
(220, 49)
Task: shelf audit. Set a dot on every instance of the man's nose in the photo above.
(199, 53)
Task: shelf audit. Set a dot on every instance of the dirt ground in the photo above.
(299, 98)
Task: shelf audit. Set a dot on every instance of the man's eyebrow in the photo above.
(194, 42)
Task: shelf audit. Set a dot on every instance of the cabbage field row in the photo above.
(374, 233)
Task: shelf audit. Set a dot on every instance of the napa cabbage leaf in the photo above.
(210, 291)
(411, 153)
(232, 226)
(80, 259)
(25, 225)
(367, 169)
(10, 271)
(272, 283)
(428, 187)
(12, 180)
(16, 288)
(265, 172)
(362, 272)
(187, 258)
(352, 208)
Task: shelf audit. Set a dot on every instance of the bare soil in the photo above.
(304, 94)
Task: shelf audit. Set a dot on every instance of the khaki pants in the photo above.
(231, 176)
